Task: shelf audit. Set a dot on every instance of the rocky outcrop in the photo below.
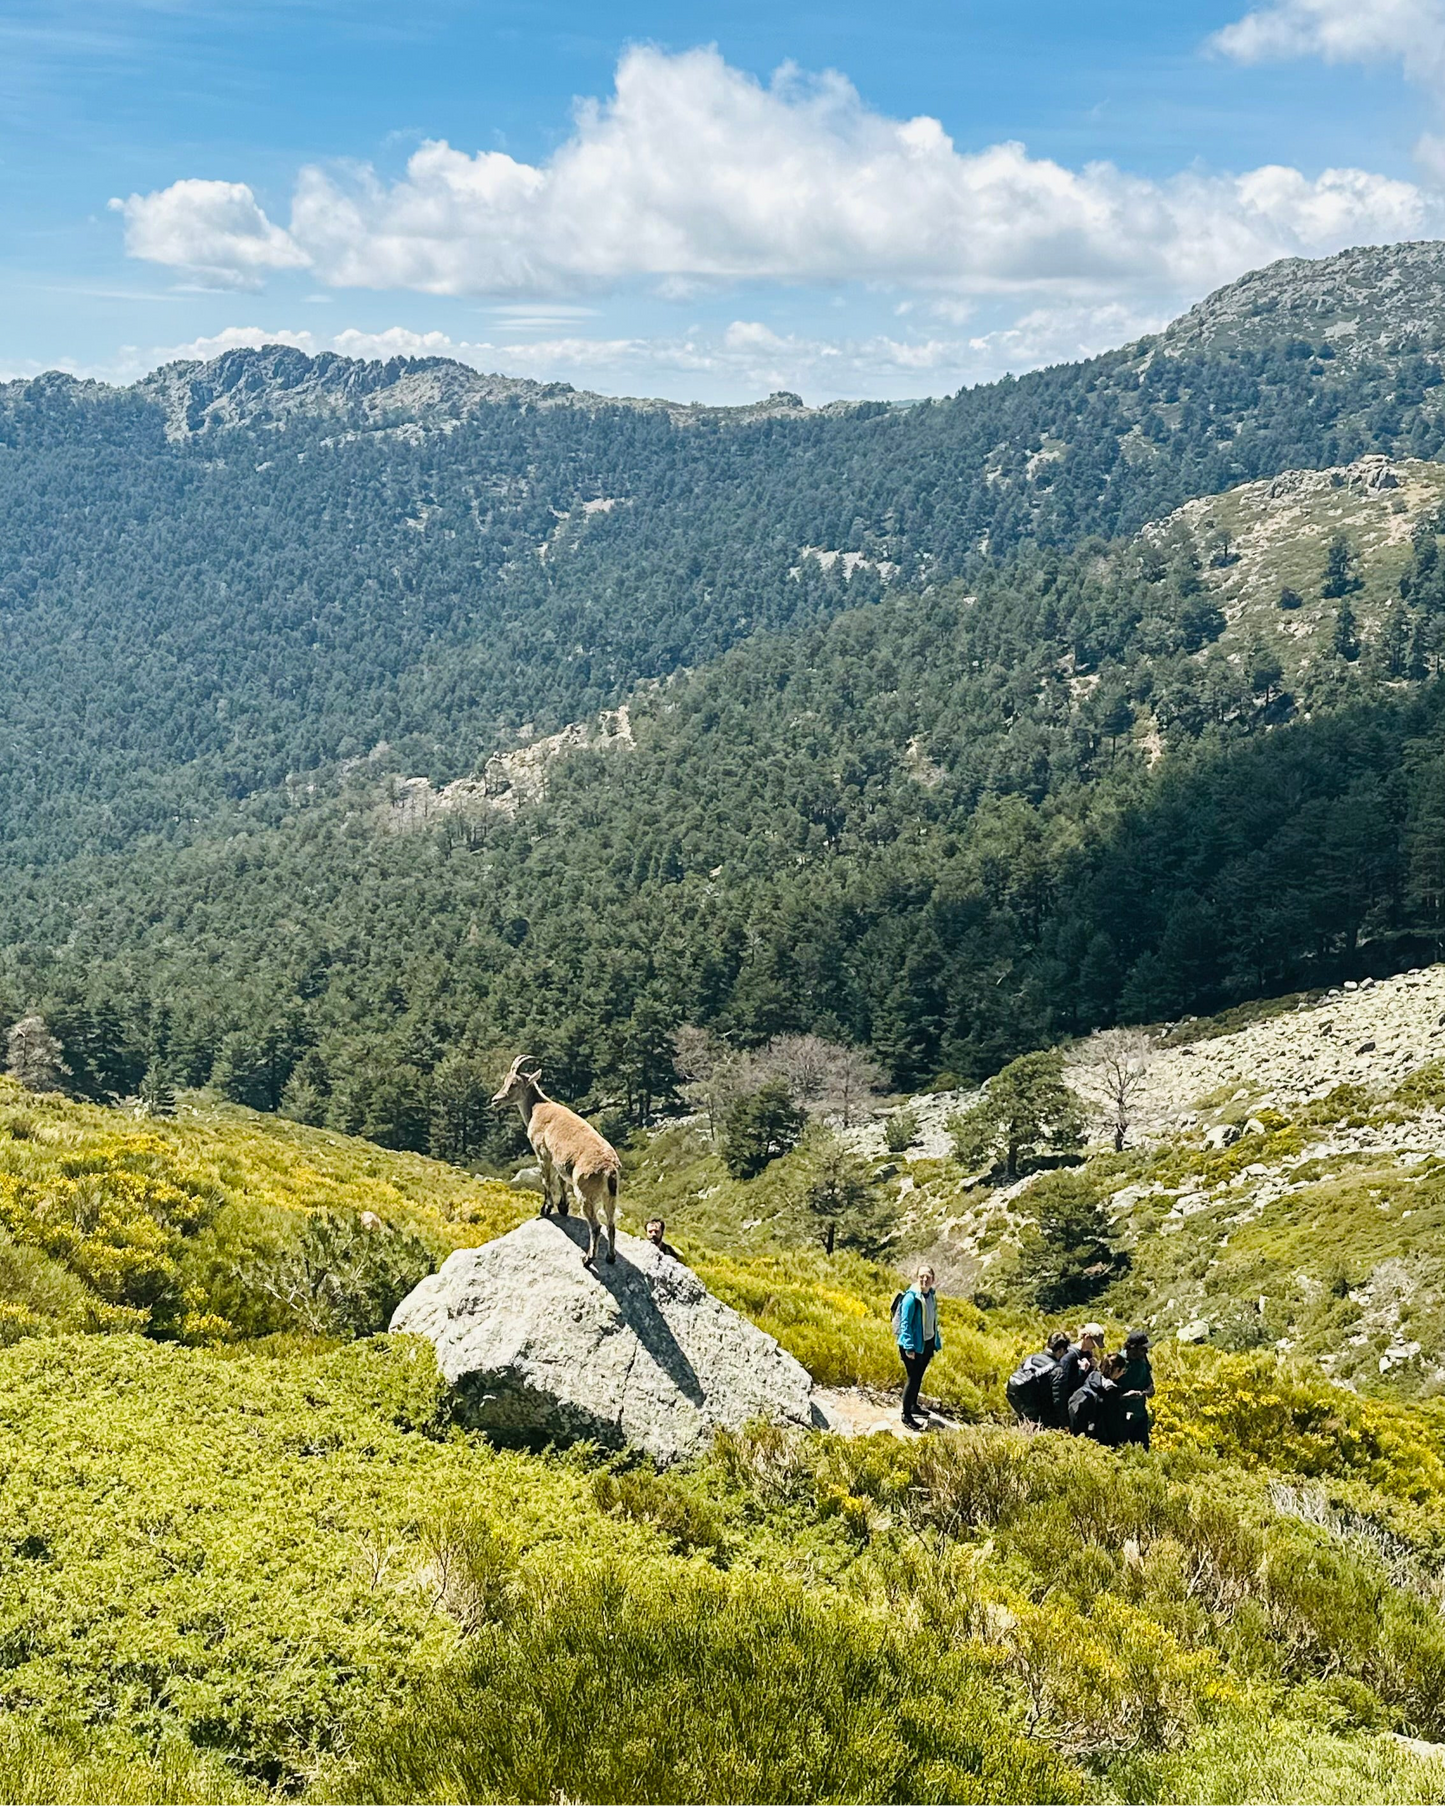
(1362, 301)
(542, 1349)
(509, 780)
(269, 385)
(1372, 1034)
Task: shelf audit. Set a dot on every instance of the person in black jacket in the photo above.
(1137, 1387)
(1075, 1365)
(1030, 1391)
(1096, 1409)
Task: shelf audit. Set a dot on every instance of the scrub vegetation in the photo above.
(275, 1565)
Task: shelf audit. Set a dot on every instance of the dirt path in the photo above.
(854, 1412)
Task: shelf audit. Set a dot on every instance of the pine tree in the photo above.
(841, 1198)
(1339, 575)
(1263, 667)
(1025, 1109)
(461, 1109)
(157, 1095)
(1346, 640)
(1067, 1255)
(757, 1128)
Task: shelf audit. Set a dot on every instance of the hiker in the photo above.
(1030, 1390)
(656, 1231)
(1136, 1387)
(916, 1326)
(1096, 1409)
(1075, 1365)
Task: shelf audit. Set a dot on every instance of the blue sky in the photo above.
(704, 203)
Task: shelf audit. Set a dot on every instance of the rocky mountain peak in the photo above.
(267, 387)
(1363, 302)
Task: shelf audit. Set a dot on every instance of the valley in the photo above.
(805, 789)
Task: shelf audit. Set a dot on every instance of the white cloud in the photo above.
(1411, 32)
(214, 229)
(693, 173)
(1061, 335)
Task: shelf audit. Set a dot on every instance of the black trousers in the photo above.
(915, 1366)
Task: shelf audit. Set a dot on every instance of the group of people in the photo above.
(1081, 1388)
(1073, 1386)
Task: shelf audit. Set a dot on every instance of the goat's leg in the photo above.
(549, 1184)
(611, 1195)
(589, 1206)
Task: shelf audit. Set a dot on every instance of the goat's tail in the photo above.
(612, 1186)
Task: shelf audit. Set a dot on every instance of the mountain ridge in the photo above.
(270, 385)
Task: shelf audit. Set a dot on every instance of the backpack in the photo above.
(1094, 1411)
(896, 1314)
(1084, 1410)
(1028, 1391)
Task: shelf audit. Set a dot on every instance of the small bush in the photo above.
(608, 1688)
(900, 1131)
(77, 1767)
(688, 1520)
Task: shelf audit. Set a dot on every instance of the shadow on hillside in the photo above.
(1294, 858)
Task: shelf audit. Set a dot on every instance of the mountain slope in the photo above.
(1367, 302)
(312, 1578)
(951, 827)
(269, 564)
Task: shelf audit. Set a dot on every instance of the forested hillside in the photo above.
(256, 567)
(950, 828)
(935, 735)
(920, 758)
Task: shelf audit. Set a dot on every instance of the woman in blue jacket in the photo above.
(918, 1339)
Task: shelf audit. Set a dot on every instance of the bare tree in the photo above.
(712, 1073)
(33, 1055)
(695, 1053)
(853, 1079)
(825, 1078)
(803, 1063)
(1121, 1059)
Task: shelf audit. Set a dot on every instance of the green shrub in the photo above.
(617, 1688)
(241, 1552)
(1277, 1759)
(77, 1768)
(684, 1516)
(1067, 1255)
(900, 1131)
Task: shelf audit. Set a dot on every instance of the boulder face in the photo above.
(543, 1349)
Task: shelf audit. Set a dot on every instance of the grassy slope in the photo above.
(1279, 540)
(222, 1561)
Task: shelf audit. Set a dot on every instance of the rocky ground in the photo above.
(1373, 1034)
(1282, 1185)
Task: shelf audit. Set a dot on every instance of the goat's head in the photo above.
(524, 1071)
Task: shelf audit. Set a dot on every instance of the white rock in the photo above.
(544, 1349)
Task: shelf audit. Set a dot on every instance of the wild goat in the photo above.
(569, 1151)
